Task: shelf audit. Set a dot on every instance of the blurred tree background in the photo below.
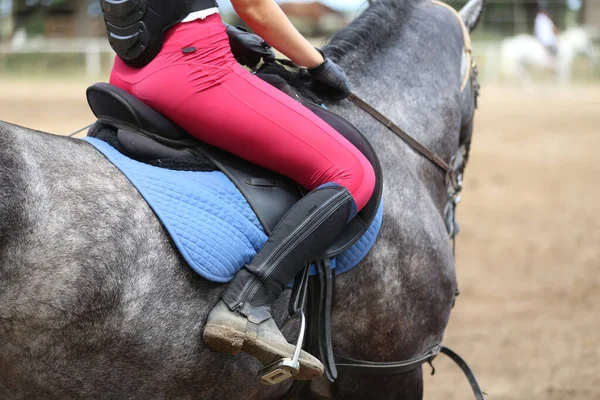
(58, 18)
(74, 28)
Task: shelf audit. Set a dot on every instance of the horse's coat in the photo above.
(95, 302)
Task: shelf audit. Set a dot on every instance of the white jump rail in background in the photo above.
(92, 48)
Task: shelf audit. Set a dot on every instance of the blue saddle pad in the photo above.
(208, 218)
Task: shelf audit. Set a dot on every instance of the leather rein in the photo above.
(423, 150)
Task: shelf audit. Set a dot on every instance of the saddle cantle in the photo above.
(145, 134)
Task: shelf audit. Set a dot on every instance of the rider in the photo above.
(176, 56)
(545, 31)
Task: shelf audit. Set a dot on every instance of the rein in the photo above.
(420, 148)
(452, 169)
(423, 150)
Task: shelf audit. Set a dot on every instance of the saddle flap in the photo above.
(269, 194)
(143, 148)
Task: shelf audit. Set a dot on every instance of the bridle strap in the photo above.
(392, 368)
(466, 39)
(424, 151)
(462, 364)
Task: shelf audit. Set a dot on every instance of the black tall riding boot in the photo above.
(241, 321)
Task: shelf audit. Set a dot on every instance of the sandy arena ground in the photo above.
(529, 253)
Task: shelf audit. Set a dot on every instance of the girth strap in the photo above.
(430, 155)
(324, 302)
(318, 320)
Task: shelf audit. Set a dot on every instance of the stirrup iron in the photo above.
(286, 368)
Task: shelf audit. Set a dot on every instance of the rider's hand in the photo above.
(331, 80)
(248, 48)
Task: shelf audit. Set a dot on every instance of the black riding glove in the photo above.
(330, 79)
(248, 48)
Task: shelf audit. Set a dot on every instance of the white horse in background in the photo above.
(522, 53)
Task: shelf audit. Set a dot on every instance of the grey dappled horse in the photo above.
(95, 301)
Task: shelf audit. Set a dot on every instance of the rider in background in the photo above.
(177, 58)
(545, 31)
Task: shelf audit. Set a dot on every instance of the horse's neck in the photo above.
(420, 96)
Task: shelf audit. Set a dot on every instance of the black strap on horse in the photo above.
(392, 368)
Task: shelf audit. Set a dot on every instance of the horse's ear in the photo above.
(471, 13)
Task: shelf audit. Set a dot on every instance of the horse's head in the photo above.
(579, 41)
(470, 15)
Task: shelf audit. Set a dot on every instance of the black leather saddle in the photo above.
(145, 134)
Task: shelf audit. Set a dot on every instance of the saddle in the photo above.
(144, 134)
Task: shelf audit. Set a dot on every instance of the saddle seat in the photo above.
(144, 134)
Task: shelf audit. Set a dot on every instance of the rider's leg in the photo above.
(291, 140)
(267, 127)
(242, 321)
(225, 106)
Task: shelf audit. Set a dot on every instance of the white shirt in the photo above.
(201, 14)
(544, 30)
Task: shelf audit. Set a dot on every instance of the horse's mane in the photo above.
(357, 41)
(370, 29)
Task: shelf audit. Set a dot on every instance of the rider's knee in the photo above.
(359, 179)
